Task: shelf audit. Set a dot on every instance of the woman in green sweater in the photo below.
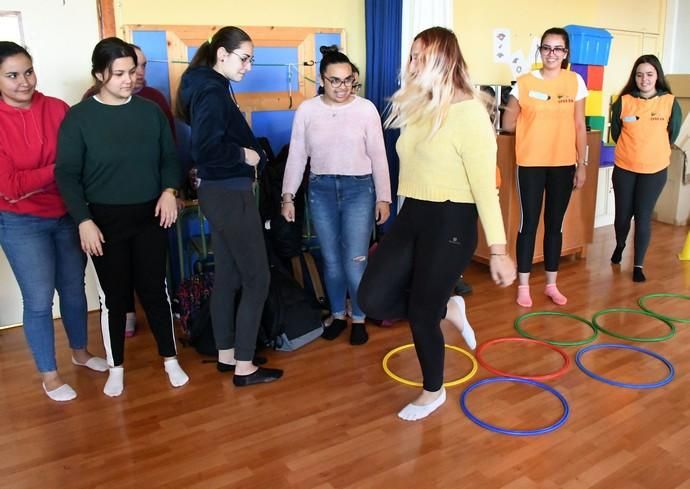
(118, 172)
(447, 152)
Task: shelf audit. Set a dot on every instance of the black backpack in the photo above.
(291, 316)
(200, 334)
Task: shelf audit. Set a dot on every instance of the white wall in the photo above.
(60, 39)
(677, 39)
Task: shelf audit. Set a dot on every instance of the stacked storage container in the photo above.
(589, 53)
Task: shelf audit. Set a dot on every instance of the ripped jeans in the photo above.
(342, 213)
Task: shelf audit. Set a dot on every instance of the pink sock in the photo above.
(552, 291)
(523, 297)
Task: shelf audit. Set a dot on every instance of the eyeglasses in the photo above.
(558, 50)
(244, 58)
(337, 82)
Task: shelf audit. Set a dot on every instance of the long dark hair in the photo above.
(558, 31)
(228, 37)
(9, 48)
(104, 55)
(661, 83)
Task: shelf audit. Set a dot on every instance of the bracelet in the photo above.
(498, 254)
(285, 202)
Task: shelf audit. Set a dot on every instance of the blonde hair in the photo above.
(427, 94)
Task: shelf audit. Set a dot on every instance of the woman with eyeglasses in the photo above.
(447, 150)
(227, 157)
(349, 185)
(547, 111)
(645, 121)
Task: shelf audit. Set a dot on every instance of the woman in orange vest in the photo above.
(645, 120)
(547, 107)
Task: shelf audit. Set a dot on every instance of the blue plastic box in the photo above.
(607, 155)
(589, 45)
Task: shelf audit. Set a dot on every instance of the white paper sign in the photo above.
(533, 54)
(501, 45)
(518, 64)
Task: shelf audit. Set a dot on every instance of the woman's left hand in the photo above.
(382, 212)
(502, 270)
(580, 176)
(166, 208)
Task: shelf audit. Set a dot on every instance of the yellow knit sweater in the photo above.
(457, 164)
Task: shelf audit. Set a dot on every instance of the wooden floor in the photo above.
(330, 423)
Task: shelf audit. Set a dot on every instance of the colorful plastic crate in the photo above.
(589, 45)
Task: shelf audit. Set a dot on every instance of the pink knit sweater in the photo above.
(341, 140)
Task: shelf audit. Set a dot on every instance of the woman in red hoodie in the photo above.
(38, 237)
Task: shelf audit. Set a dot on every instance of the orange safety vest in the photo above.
(545, 134)
(643, 145)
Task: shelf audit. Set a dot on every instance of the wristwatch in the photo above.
(173, 191)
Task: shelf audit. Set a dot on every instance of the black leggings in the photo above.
(636, 196)
(532, 182)
(413, 271)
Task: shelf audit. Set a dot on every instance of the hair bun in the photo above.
(328, 49)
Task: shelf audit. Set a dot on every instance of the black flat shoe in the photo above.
(261, 376)
(226, 367)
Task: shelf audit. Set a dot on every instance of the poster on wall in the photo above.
(519, 64)
(533, 52)
(501, 41)
(11, 27)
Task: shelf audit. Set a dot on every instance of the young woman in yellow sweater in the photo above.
(447, 152)
(547, 107)
(645, 120)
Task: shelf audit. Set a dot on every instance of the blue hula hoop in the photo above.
(496, 429)
(652, 385)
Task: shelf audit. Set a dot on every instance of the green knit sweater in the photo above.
(114, 154)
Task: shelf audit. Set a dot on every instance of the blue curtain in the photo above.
(384, 32)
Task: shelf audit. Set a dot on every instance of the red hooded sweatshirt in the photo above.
(28, 140)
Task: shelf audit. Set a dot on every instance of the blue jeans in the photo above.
(45, 255)
(342, 212)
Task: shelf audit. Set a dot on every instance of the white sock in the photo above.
(131, 321)
(465, 329)
(227, 356)
(94, 363)
(175, 373)
(61, 394)
(413, 412)
(115, 383)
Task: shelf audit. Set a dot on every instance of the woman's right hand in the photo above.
(91, 238)
(287, 210)
(251, 157)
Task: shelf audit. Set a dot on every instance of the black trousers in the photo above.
(413, 271)
(242, 275)
(533, 182)
(134, 257)
(636, 195)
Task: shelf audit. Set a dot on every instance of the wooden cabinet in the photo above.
(578, 226)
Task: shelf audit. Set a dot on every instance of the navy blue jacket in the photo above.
(219, 130)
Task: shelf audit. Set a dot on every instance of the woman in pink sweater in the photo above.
(349, 184)
(37, 235)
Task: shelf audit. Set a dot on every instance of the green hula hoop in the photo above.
(554, 342)
(633, 338)
(641, 302)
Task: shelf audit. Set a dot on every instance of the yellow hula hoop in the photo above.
(459, 381)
